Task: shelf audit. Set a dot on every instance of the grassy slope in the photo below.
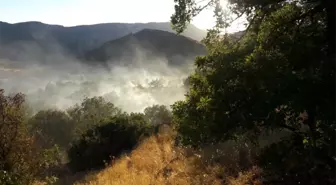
(156, 162)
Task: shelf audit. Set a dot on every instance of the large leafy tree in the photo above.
(21, 160)
(158, 114)
(91, 112)
(255, 11)
(52, 127)
(278, 75)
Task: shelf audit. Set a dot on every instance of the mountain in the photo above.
(149, 45)
(38, 37)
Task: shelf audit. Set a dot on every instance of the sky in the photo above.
(84, 12)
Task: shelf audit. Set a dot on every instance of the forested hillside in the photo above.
(149, 44)
(28, 37)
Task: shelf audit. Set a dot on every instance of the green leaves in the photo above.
(19, 158)
(92, 111)
(186, 10)
(277, 77)
(183, 14)
(158, 114)
(52, 127)
(104, 142)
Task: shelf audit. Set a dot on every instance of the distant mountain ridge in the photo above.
(152, 44)
(22, 37)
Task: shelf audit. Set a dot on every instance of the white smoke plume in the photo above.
(60, 81)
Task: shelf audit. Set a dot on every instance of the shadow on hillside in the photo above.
(72, 178)
(66, 177)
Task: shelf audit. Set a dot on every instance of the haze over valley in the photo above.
(132, 65)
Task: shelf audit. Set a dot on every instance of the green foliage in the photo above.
(158, 114)
(20, 160)
(290, 162)
(278, 76)
(8, 179)
(91, 112)
(263, 79)
(102, 143)
(185, 10)
(51, 157)
(52, 127)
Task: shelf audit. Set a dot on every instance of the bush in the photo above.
(158, 114)
(92, 111)
(8, 179)
(19, 157)
(52, 127)
(99, 145)
(291, 161)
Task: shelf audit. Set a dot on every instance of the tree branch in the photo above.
(199, 10)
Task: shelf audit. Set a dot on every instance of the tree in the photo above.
(278, 75)
(92, 111)
(158, 114)
(52, 127)
(20, 161)
(267, 62)
(255, 11)
(98, 145)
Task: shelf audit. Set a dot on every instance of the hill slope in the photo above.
(158, 161)
(148, 44)
(72, 40)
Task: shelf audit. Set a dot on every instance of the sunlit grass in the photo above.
(158, 162)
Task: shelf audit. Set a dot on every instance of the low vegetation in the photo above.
(51, 144)
(132, 147)
(158, 161)
(97, 146)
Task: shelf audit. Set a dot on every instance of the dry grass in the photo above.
(251, 177)
(157, 162)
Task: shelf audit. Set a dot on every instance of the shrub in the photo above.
(291, 161)
(19, 157)
(158, 114)
(92, 111)
(98, 145)
(52, 127)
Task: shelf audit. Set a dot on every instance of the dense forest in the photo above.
(259, 109)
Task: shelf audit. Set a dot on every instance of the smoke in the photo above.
(60, 81)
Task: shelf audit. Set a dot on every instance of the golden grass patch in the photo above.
(158, 162)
